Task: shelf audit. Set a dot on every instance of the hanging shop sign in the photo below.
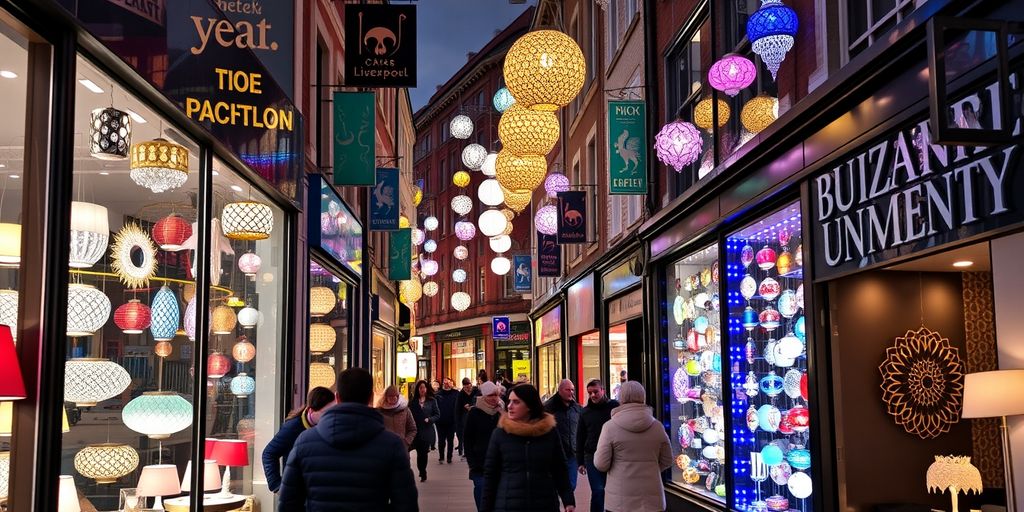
(523, 266)
(380, 42)
(384, 201)
(903, 193)
(406, 365)
(572, 217)
(549, 256)
(400, 255)
(627, 143)
(354, 129)
(501, 329)
(416, 344)
(332, 227)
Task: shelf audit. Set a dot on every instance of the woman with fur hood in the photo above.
(397, 418)
(525, 469)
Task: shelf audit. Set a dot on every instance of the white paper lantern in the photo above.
(461, 253)
(501, 243)
(157, 414)
(473, 156)
(462, 204)
(459, 275)
(90, 233)
(429, 267)
(88, 381)
(430, 288)
(88, 309)
(461, 127)
(250, 263)
(501, 265)
(488, 167)
(430, 246)
(430, 223)
(546, 219)
(418, 236)
(248, 317)
(460, 301)
(490, 193)
(492, 223)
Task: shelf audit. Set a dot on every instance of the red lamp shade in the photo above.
(208, 448)
(12, 386)
(217, 365)
(171, 231)
(132, 317)
(231, 452)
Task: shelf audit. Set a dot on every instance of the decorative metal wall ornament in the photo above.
(126, 242)
(923, 383)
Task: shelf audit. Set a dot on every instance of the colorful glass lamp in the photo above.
(772, 30)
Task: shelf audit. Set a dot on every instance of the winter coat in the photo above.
(446, 407)
(525, 469)
(348, 462)
(567, 418)
(399, 420)
(593, 417)
(633, 450)
(480, 424)
(462, 401)
(426, 416)
(279, 447)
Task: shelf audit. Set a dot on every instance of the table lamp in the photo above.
(211, 476)
(227, 453)
(12, 386)
(67, 495)
(7, 419)
(991, 395)
(956, 474)
(158, 480)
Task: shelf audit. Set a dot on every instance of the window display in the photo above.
(460, 359)
(697, 426)
(590, 362)
(618, 370)
(330, 317)
(768, 359)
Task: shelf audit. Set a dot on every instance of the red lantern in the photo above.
(799, 418)
(785, 427)
(171, 231)
(217, 365)
(766, 258)
(132, 317)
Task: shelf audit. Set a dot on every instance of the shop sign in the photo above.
(624, 308)
(416, 344)
(354, 144)
(471, 332)
(549, 326)
(400, 255)
(580, 300)
(904, 193)
(332, 227)
(264, 26)
(627, 142)
(380, 43)
(572, 217)
(384, 201)
(549, 256)
(619, 278)
(521, 370)
(523, 276)
(518, 338)
(500, 328)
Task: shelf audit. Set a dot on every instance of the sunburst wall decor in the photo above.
(923, 383)
(126, 241)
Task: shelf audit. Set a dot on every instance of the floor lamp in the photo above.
(996, 394)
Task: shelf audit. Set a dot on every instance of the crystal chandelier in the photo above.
(157, 414)
(247, 220)
(460, 301)
(106, 462)
(732, 73)
(159, 165)
(461, 127)
(678, 144)
(88, 309)
(546, 219)
(473, 156)
(772, 30)
(110, 134)
(88, 381)
(544, 70)
(90, 234)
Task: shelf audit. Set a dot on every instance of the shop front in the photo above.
(550, 350)
(512, 356)
(383, 346)
(624, 333)
(461, 353)
(581, 327)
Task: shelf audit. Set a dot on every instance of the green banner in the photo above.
(354, 139)
(627, 138)
(400, 255)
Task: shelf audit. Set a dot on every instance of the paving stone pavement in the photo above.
(448, 488)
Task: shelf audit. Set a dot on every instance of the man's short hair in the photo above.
(595, 382)
(355, 385)
(466, 381)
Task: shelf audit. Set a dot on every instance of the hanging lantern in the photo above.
(9, 311)
(321, 375)
(159, 165)
(473, 156)
(164, 314)
(430, 223)
(546, 219)
(487, 168)
(500, 243)
(702, 114)
(460, 301)
(418, 236)
(678, 144)
(247, 220)
(492, 223)
(89, 234)
(188, 292)
(242, 385)
(430, 288)
(248, 317)
(321, 338)
(517, 201)
(520, 173)
(771, 31)
(732, 73)
(461, 179)
(321, 300)
(132, 317)
(403, 222)
(556, 182)
(544, 70)
(250, 263)
(459, 275)
(163, 349)
(462, 204)
(412, 290)
(88, 381)
(430, 246)
(157, 414)
(465, 230)
(461, 252)
(501, 265)
(243, 351)
(223, 320)
(106, 462)
(490, 192)
(503, 99)
(217, 365)
(461, 127)
(10, 244)
(759, 113)
(110, 134)
(171, 231)
(88, 309)
(190, 319)
(508, 227)
(528, 132)
(417, 195)
(429, 267)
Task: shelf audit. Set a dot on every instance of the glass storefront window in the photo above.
(330, 317)
(768, 361)
(549, 365)
(382, 356)
(617, 358)
(460, 360)
(590, 362)
(695, 374)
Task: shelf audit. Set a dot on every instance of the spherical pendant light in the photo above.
(461, 179)
(403, 222)
(322, 338)
(503, 99)
(490, 192)
(554, 183)
(88, 381)
(517, 201)
(500, 243)
(461, 127)
(772, 30)
(412, 290)
(523, 131)
(465, 230)
(759, 113)
(106, 462)
(461, 252)
(190, 319)
(546, 219)
(217, 365)
(544, 70)
(321, 375)
(243, 351)
(157, 414)
(159, 165)
(462, 204)
(520, 173)
(418, 236)
(247, 220)
(248, 317)
(430, 223)
(678, 144)
(473, 156)
(110, 134)
(459, 275)
(487, 168)
(430, 246)
(163, 348)
(223, 320)
(88, 309)
(171, 231)
(460, 301)
(242, 385)
(164, 314)
(10, 244)
(90, 234)
(132, 317)
(430, 288)
(250, 263)
(702, 114)
(501, 265)
(429, 267)
(732, 73)
(9, 311)
(492, 223)
(321, 300)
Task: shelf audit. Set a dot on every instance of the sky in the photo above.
(447, 30)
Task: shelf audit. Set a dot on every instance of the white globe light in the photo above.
(418, 236)
(800, 485)
(461, 127)
(460, 301)
(490, 193)
(546, 219)
(473, 156)
(492, 223)
(465, 230)
(88, 309)
(501, 265)
(488, 166)
(88, 381)
(501, 243)
(430, 288)
(248, 317)
(462, 204)
(430, 246)
(461, 252)
(428, 267)
(459, 275)
(430, 223)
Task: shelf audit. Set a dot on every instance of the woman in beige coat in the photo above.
(397, 417)
(633, 450)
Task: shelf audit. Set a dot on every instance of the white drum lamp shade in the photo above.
(10, 244)
(247, 220)
(106, 462)
(88, 381)
(67, 495)
(492, 223)
(90, 234)
(211, 476)
(501, 265)
(158, 480)
(157, 414)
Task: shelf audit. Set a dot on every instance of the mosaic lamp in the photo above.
(429, 267)
(106, 462)
(411, 289)
(430, 246)
(430, 223)
(703, 115)
(544, 70)
(132, 317)
(465, 230)
(759, 113)
(473, 156)
(501, 265)
(500, 243)
(487, 168)
(88, 310)
(90, 233)
(462, 204)
(110, 133)
(771, 31)
(489, 192)
(556, 182)
(517, 201)
(223, 320)
(955, 474)
(158, 480)
(163, 348)
(503, 99)
(528, 132)
(171, 231)
(242, 385)
(546, 219)
(247, 220)
(430, 288)
(732, 73)
(321, 375)
(159, 165)
(492, 223)
(12, 386)
(459, 275)
(461, 127)
(678, 144)
(88, 381)
(520, 173)
(157, 414)
(418, 236)
(211, 476)
(460, 301)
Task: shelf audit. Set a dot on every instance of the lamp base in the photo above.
(1011, 500)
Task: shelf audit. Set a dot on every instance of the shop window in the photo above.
(687, 66)
(382, 350)
(460, 359)
(618, 369)
(590, 362)
(868, 20)
(549, 361)
(330, 318)
(754, 107)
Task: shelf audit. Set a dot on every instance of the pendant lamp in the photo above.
(544, 70)
(247, 220)
(223, 320)
(242, 385)
(10, 244)
(171, 231)
(321, 375)
(243, 351)
(9, 311)
(88, 381)
(132, 317)
(159, 165)
(90, 234)
(157, 414)
(110, 133)
(88, 309)
(321, 338)
(217, 365)
(106, 462)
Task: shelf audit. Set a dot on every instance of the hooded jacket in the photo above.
(399, 420)
(348, 462)
(525, 468)
(481, 421)
(633, 450)
(279, 447)
(593, 417)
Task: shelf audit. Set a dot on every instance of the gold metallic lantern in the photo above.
(702, 114)
(544, 70)
(517, 201)
(520, 173)
(321, 338)
(223, 320)
(759, 113)
(159, 165)
(528, 132)
(106, 462)
(321, 300)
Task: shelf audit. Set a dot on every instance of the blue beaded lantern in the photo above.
(772, 384)
(771, 31)
(242, 385)
(800, 329)
(165, 313)
(503, 99)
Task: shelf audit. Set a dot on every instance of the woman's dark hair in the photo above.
(482, 375)
(530, 397)
(415, 395)
(317, 399)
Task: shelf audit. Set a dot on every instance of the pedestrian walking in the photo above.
(566, 410)
(597, 412)
(394, 408)
(424, 411)
(525, 467)
(446, 400)
(481, 420)
(349, 461)
(481, 377)
(466, 399)
(297, 422)
(633, 449)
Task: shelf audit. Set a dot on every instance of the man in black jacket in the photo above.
(597, 412)
(465, 401)
(481, 420)
(567, 412)
(349, 461)
(446, 400)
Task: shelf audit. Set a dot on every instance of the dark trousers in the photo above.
(422, 450)
(478, 491)
(445, 439)
(460, 428)
(597, 480)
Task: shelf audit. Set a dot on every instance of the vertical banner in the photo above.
(384, 201)
(380, 45)
(523, 272)
(500, 327)
(549, 256)
(627, 140)
(572, 217)
(354, 129)
(400, 255)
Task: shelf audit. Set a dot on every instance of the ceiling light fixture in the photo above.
(8, 73)
(962, 263)
(88, 84)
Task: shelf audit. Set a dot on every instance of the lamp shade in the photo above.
(171, 231)
(411, 290)
(489, 192)
(546, 219)
(465, 230)
(487, 168)
(110, 133)
(459, 179)
(462, 204)
(461, 127)
(758, 113)
(231, 452)
(10, 244)
(771, 31)
(157, 414)
(248, 317)
(520, 173)
(993, 394)
(461, 252)
(492, 223)
(106, 462)
(67, 495)
(321, 338)
(703, 115)
(249, 263)
(243, 351)
(430, 246)
(132, 317)
(217, 365)
(247, 220)
(459, 275)
(524, 131)
(88, 309)
(460, 301)
(163, 348)
(430, 223)
(88, 381)
(12, 386)
(159, 165)
(5, 473)
(158, 480)
(429, 267)
(223, 319)
(9, 311)
(190, 318)
(430, 288)
(242, 385)
(473, 156)
(90, 233)
(211, 476)
(517, 201)
(503, 99)
(321, 375)
(678, 144)
(554, 183)
(544, 70)
(731, 73)
(955, 472)
(321, 300)
(501, 265)
(500, 243)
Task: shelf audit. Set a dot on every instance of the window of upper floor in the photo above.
(867, 20)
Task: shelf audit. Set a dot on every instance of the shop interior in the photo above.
(330, 318)
(589, 350)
